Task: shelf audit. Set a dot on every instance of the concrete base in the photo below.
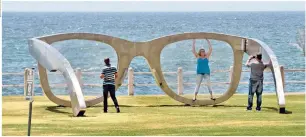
(282, 110)
(81, 113)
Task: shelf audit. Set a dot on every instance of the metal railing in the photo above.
(180, 84)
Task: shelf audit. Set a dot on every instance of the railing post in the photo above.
(230, 73)
(283, 75)
(78, 74)
(131, 82)
(180, 86)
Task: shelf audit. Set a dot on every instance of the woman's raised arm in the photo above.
(193, 48)
(210, 48)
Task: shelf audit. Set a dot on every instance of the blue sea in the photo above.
(277, 29)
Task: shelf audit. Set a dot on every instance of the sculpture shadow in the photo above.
(97, 106)
(225, 106)
(187, 105)
(269, 108)
(57, 109)
(242, 106)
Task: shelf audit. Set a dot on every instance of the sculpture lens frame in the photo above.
(151, 51)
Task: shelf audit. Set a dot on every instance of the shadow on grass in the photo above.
(225, 106)
(184, 105)
(141, 106)
(269, 108)
(56, 109)
(187, 105)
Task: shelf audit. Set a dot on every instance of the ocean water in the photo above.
(277, 29)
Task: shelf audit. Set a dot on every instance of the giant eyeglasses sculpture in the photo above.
(52, 60)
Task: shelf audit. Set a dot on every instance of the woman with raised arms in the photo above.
(203, 70)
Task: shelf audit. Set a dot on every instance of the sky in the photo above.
(150, 6)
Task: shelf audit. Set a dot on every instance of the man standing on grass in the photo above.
(256, 80)
(109, 74)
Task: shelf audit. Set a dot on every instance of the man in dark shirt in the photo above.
(256, 80)
(109, 74)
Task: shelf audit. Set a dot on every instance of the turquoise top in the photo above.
(202, 66)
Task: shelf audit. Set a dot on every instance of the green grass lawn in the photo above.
(156, 115)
